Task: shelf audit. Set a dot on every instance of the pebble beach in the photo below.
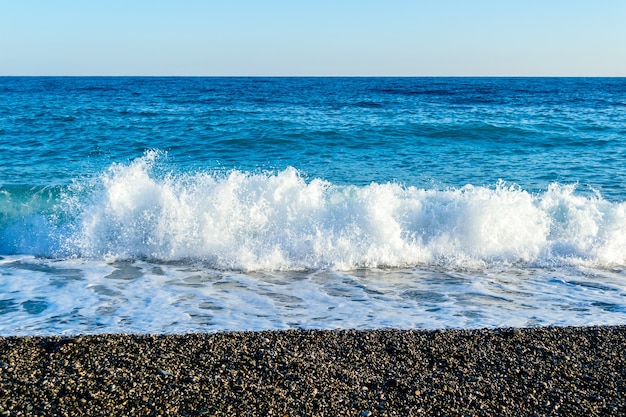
(512, 372)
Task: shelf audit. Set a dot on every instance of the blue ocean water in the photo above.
(134, 204)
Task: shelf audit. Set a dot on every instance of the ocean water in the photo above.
(170, 205)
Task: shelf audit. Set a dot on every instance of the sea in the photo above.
(204, 204)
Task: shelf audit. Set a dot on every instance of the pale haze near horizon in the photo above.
(314, 38)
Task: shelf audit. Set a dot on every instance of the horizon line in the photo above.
(300, 76)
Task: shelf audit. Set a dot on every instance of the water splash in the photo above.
(282, 221)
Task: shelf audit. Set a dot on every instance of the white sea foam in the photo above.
(41, 296)
(282, 221)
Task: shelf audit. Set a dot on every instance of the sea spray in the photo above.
(239, 220)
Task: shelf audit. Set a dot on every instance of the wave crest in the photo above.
(281, 221)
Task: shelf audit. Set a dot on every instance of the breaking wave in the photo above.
(283, 221)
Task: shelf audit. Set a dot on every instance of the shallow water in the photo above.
(81, 296)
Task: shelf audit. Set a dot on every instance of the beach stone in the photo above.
(517, 372)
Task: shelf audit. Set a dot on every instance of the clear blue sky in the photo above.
(313, 37)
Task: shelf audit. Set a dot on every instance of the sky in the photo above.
(313, 37)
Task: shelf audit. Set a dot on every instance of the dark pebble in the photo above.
(516, 372)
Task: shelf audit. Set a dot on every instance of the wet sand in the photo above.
(516, 372)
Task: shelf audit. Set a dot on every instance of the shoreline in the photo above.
(528, 371)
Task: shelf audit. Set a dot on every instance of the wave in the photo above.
(282, 221)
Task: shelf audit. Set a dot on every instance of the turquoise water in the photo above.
(200, 204)
(424, 132)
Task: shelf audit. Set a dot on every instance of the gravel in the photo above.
(506, 372)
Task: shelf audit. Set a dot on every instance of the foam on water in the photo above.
(74, 296)
(237, 220)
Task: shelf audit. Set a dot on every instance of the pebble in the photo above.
(518, 372)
